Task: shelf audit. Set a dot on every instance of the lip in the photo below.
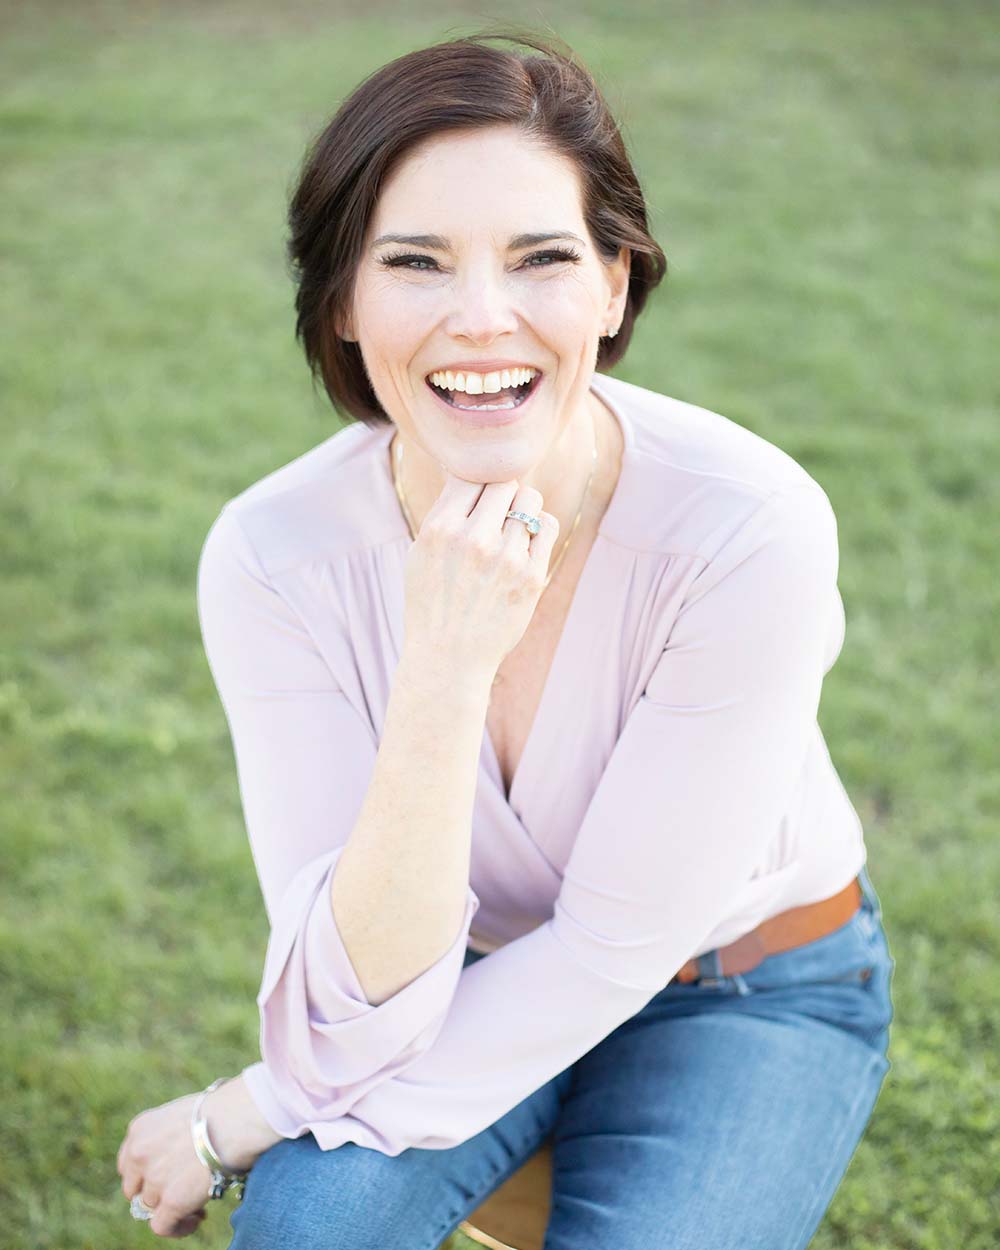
(487, 419)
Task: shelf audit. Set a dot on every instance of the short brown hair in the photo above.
(460, 84)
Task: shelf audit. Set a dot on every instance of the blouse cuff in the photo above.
(322, 1043)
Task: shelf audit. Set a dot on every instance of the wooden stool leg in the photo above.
(516, 1215)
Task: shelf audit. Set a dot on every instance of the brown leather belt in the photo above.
(787, 929)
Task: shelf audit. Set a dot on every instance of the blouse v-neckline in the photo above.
(571, 624)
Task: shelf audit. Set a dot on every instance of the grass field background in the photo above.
(823, 179)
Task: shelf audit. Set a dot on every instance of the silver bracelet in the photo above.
(223, 1178)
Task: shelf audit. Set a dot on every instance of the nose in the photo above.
(484, 308)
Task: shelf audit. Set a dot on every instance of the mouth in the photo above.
(494, 410)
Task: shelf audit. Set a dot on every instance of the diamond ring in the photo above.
(139, 1209)
(532, 523)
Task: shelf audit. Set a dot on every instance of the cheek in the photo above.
(391, 312)
(568, 308)
(393, 331)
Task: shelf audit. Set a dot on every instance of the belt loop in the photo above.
(710, 967)
(741, 986)
(868, 889)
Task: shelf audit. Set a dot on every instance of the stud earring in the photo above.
(610, 334)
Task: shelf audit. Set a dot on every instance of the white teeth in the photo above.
(486, 407)
(482, 383)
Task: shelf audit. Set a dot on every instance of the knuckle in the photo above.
(435, 534)
(480, 548)
(433, 528)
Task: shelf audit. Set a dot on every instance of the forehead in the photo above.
(462, 183)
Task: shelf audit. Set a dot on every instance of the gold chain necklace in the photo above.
(397, 474)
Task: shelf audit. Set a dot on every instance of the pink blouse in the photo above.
(680, 796)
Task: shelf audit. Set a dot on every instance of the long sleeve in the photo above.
(692, 792)
(304, 758)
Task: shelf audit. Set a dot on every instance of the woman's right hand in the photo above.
(473, 575)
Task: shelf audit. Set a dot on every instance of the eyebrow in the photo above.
(438, 243)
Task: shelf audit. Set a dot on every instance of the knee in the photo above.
(294, 1198)
(302, 1197)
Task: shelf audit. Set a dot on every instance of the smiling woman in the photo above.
(484, 280)
(677, 968)
(344, 228)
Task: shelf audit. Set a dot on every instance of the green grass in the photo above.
(824, 182)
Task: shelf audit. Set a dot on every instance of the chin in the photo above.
(488, 466)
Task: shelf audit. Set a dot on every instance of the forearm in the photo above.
(399, 889)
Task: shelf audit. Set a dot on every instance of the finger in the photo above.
(183, 1226)
(189, 1225)
(528, 500)
(542, 543)
(128, 1159)
(167, 1220)
(456, 494)
(496, 501)
(131, 1181)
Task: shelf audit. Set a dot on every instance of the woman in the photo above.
(522, 669)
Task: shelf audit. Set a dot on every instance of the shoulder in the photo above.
(697, 479)
(322, 504)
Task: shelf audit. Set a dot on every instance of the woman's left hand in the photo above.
(157, 1160)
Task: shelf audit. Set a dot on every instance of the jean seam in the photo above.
(834, 1154)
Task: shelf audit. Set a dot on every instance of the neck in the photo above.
(560, 478)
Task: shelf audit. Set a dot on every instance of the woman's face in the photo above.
(477, 296)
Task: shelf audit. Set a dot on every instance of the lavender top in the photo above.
(687, 797)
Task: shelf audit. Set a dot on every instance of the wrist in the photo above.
(238, 1130)
(435, 673)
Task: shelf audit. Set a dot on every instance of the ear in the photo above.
(344, 329)
(617, 277)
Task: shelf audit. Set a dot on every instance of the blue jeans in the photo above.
(724, 1113)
